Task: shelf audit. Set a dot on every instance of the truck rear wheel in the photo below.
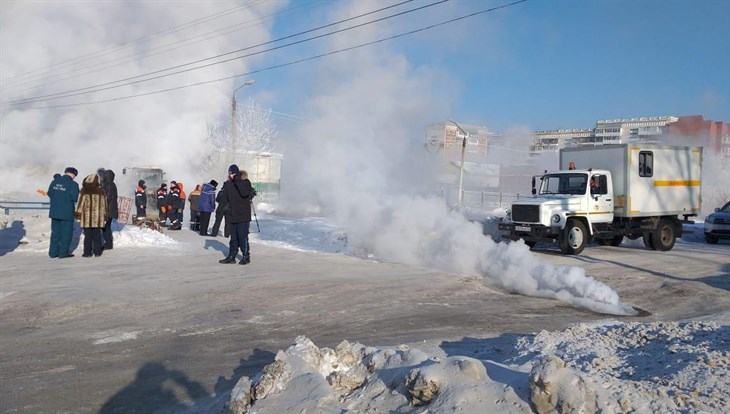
(574, 237)
(664, 236)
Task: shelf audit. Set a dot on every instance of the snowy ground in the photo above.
(158, 324)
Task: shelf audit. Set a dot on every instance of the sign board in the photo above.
(125, 209)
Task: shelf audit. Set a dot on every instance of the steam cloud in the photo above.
(361, 157)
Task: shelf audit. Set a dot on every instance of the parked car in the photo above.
(717, 225)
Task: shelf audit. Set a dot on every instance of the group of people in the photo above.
(94, 205)
(97, 207)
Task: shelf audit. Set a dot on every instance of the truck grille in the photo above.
(526, 214)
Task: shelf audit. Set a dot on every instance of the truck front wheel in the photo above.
(574, 237)
(664, 236)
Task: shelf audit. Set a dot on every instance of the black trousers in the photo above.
(217, 225)
(107, 233)
(204, 221)
(92, 241)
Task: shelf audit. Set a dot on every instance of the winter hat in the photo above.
(56, 175)
(214, 183)
(141, 183)
(71, 170)
(233, 169)
(163, 185)
(91, 180)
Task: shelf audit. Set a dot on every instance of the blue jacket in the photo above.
(64, 193)
(206, 202)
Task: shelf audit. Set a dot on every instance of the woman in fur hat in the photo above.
(92, 213)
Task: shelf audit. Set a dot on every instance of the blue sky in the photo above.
(547, 64)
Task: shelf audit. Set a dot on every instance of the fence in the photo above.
(24, 205)
(487, 200)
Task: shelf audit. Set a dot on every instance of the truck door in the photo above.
(600, 203)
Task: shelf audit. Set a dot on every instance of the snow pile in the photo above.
(133, 236)
(356, 378)
(620, 367)
(612, 368)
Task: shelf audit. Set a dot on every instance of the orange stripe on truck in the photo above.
(677, 183)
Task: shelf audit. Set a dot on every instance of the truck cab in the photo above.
(575, 199)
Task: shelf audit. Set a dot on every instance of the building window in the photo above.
(646, 164)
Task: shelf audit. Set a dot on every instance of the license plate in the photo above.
(522, 228)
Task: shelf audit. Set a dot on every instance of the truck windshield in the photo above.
(564, 184)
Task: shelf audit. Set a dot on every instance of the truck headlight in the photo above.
(556, 218)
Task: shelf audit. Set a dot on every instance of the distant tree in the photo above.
(256, 131)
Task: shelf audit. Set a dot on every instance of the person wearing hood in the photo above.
(162, 203)
(206, 205)
(140, 199)
(92, 212)
(111, 201)
(194, 213)
(239, 193)
(63, 193)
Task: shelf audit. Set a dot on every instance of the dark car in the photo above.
(717, 225)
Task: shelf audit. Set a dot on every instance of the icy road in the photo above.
(167, 328)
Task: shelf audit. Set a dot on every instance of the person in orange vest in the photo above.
(162, 203)
(194, 212)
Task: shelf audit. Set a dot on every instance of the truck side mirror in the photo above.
(533, 186)
(124, 171)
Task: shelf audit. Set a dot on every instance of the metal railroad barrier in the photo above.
(24, 205)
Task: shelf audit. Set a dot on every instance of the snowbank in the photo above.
(599, 367)
(133, 236)
(32, 233)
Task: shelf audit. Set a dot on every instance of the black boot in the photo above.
(246, 260)
(228, 260)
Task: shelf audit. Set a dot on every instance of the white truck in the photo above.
(610, 192)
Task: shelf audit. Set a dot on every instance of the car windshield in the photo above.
(726, 208)
(564, 184)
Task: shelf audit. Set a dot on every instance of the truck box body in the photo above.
(648, 179)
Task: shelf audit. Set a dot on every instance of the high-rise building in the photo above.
(446, 139)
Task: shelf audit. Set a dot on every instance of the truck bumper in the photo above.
(530, 232)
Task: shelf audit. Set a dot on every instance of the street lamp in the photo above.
(234, 125)
(461, 169)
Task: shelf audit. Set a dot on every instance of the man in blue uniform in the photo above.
(63, 192)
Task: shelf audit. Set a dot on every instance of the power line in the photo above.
(161, 33)
(338, 51)
(103, 86)
(119, 61)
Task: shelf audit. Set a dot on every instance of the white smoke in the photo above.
(361, 158)
(164, 130)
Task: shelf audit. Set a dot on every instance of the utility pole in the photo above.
(234, 124)
(461, 169)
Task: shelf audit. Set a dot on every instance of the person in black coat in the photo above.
(162, 203)
(140, 199)
(111, 200)
(239, 194)
(220, 212)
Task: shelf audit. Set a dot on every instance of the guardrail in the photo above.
(24, 205)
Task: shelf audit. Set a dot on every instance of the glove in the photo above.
(179, 210)
(163, 209)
